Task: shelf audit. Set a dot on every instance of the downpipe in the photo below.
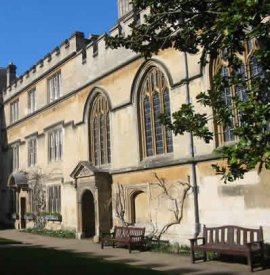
(193, 162)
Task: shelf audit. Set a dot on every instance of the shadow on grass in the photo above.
(35, 260)
(7, 241)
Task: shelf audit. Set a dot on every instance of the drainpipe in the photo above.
(193, 162)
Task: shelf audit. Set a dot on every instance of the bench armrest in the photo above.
(107, 234)
(194, 241)
(255, 245)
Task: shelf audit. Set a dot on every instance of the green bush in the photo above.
(166, 247)
(68, 234)
(176, 248)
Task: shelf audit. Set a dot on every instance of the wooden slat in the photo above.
(211, 236)
(223, 235)
(252, 235)
(238, 236)
(245, 236)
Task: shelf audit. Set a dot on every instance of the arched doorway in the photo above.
(139, 208)
(88, 214)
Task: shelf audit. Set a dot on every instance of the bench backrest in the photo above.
(232, 235)
(123, 232)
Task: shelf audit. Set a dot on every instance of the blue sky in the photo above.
(32, 28)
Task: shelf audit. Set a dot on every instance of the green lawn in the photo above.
(6, 241)
(36, 260)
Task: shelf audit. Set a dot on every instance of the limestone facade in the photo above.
(77, 123)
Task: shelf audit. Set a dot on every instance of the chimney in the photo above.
(3, 78)
(11, 74)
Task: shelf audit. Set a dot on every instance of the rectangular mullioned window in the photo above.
(54, 199)
(15, 157)
(32, 101)
(54, 87)
(56, 145)
(32, 152)
(14, 111)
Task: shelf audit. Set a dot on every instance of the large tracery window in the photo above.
(249, 69)
(154, 100)
(100, 149)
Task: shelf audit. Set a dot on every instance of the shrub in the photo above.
(68, 234)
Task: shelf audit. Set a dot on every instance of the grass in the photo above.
(165, 247)
(7, 241)
(183, 250)
(67, 234)
(42, 261)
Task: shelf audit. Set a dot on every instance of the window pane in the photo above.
(102, 139)
(56, 145)
(96, 143)
(32, 152)
(100, 131)
(14, 111)
(108, 138)
(227, 97)
(155, 100)
(55, 86)
(158, 126)
(167, 109)
(54, 199)
(31, 101)
(255, 68)
(15, 157)
(148, 127)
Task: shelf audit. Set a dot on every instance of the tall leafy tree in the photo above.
(219, 27)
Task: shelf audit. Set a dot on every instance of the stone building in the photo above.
(83, 123)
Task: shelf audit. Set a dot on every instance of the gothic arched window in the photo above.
(154, 99)
(100, 148)
(249, 69)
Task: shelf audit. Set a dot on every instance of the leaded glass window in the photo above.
(54, 87)
(154, 100)
(100, 148)
(56, 145)
(249, 69)
(54, 199)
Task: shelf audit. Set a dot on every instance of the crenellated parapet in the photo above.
(3, 78)
(124, 8)
(68, 48)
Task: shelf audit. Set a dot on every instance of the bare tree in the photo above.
(38, 196)
(177, 201)
(120, 204)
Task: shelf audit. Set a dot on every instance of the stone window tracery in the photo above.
(249, 69)
(100, 148)
(154, 100)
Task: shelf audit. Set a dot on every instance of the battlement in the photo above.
(64, 51)
(3, 78)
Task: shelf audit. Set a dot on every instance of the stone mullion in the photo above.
(233, 106)
(162, 110)
(92, 140)
(152, 116)
(143, 127)
(105, 138)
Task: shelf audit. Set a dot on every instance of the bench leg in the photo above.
(192, 254)
(249, 260)
(204, 256)
(102, 244)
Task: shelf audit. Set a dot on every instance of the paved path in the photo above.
(169, 264)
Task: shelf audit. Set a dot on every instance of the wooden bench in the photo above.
(130, 236)
(230, 240)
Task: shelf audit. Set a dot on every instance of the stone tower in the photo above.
(124, 7)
